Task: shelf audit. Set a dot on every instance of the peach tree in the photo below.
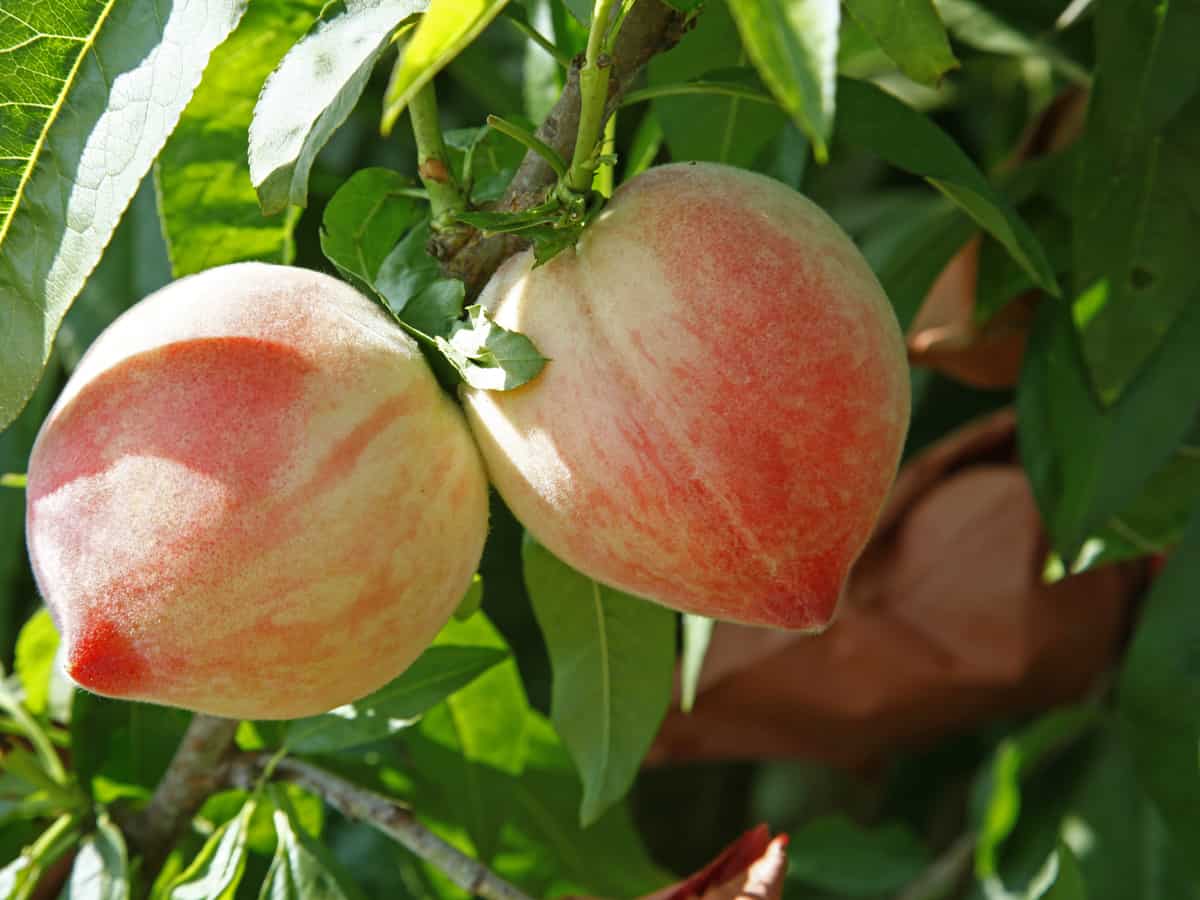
(832, 368)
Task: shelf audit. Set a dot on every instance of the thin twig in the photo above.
(196, 770)
(389, 817)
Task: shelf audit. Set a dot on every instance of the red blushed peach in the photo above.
(252, 499)
(725, 403)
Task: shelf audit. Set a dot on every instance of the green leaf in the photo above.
(90, 90)
(365, 219)
(488, 356)
(878, 122)
(301, 868)
(646, 144)
(437, 673)
(1158, 697)
(472, 600)
(697, 632)
(1087, 463)
(836, 855)
(982, 29)
(120, 748)
(726, 129)
(210, 210)
(101, 868)
(445, 29)
(1068, 879)
(793, 43)
(36, 646)
(613, 657)
(607, 858)
(1137, 192)
(217, 870)
(20, 877)
(313, 91)
(482, 727)
(998, 794)
(911, 33)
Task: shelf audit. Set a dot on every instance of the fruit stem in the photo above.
(433, 165)
(593, 97)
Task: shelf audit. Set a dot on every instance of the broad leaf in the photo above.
(882, 124)
(1138, 190)
(911, 33)
(1087, 463)
(217, 871)
(445, 29)
(613, 657)
(90, 90)
(793, 43)
(364, 221)
(725, 129)
(120, 748)
(1159, 695)
(482, 730)
(101, 868)
(838, 856)
(437, 673)
(210, 211)
(411, 283)
(313, 91)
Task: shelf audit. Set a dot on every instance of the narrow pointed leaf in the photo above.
(101, 868)
(613, 658)
(313, 91)
(90, 91)
(210, 211)
(217, 871)
(911, 33)
(446, 27)
(793, 44)
(878, 122)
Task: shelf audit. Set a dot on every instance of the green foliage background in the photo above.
(897, 117)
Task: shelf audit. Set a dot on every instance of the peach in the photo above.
(252, 499)
(725, 403)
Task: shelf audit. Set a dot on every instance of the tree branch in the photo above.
(389, 817)
(651, 27)
(196, 770)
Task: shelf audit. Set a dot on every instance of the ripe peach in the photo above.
(252, 499)
(725, 403)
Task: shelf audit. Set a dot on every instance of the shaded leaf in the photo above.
(710, 127)
(301, 869)
(836, 855)
(911, 33)
(437, 673)
(210, 211)
(20, 877)
(1137, 193)
(1087, 463)
(90, 89)
(313, 91)
(1158, 697)
(793, 43)
(978, 27)
(613, 657)
(882, 124)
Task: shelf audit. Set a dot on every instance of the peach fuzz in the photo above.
(252, 499)
(725, 403)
